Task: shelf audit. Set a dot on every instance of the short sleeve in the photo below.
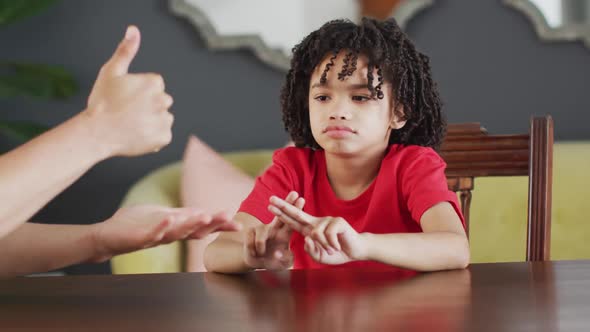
(276, 180)
(424, 184)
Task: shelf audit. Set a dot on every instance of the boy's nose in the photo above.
(338, 117)
(340, 112)
(340, 109)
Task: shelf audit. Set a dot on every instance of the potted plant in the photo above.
(31, 80)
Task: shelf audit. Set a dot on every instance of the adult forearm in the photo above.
(39, 248)
(36, 172)
(419, 251)
(225, 256)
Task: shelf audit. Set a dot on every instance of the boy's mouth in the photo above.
(339, 128)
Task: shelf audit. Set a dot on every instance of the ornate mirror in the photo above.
(557, 19)
(271, 28)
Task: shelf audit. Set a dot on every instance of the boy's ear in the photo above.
(398, 118)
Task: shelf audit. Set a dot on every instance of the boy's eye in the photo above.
(321, 98)
(360, 98)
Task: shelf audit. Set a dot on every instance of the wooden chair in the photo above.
(471, 152)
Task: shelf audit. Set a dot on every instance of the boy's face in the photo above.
(344, 118)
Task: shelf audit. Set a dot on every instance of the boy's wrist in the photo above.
(366, 244)
(248, 264)
(97, 250)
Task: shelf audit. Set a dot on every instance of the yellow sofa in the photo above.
(498, 211)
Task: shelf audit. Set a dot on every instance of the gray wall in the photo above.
(493, 68)
(490, 65)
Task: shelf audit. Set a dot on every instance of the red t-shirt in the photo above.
(411, 179)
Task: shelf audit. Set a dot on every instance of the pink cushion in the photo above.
(213, 184)
(210, 182)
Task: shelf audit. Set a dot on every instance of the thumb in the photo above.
(119, 63)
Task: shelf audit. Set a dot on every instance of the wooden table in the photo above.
(551, 296)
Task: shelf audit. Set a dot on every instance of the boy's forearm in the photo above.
(40, 248)
(419, 251)
(195, 256)
(225, 256)
(45, 166)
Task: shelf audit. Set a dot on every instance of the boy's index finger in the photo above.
(292, 211)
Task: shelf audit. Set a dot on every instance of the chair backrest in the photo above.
(471, 152)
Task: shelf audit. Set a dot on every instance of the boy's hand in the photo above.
(140, 227)
(267, 246)
(328, 240)
(128, 113)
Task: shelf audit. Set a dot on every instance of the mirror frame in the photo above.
(546, 32)
(272, 56)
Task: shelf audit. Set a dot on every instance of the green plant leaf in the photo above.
(35, 80)
(21, 130)
(16, 10)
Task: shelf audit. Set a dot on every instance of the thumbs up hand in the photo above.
(129, 112)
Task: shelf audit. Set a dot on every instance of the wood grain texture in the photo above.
(527, 296)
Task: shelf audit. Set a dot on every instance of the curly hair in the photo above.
(391, 53)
